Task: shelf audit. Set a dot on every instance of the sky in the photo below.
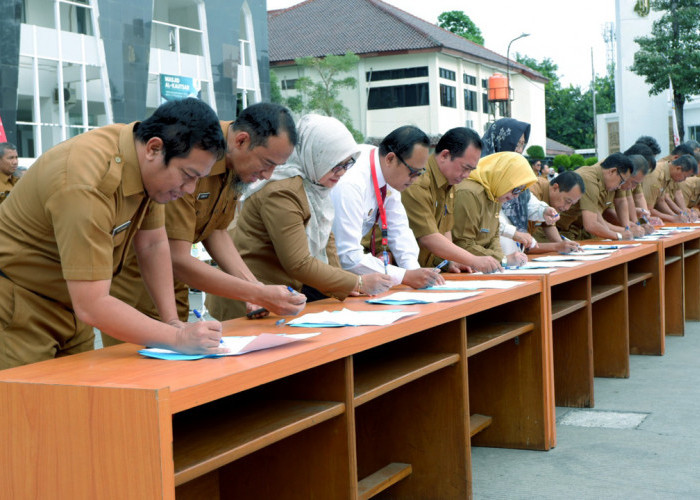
(562, 30)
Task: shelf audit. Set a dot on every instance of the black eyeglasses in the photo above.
(516, 191)
(622, 179)
(343, 166)
(412, 172)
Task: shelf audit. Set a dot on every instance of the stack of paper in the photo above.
(570, 256)
(476, 285)
(407, 298)
(346, 317)
(613, 247)
(235, 345)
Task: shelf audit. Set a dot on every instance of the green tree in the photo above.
(459, 23)
(569, 110)
(535, 152)
(320, 95)
(592, 160)
(562, 161)
(577, 160)
(672, 49)
(275, 91)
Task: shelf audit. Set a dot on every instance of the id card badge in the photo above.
(484, 230)
(121, 228)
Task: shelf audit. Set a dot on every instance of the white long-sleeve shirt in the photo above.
(535, 212)
(356, 208)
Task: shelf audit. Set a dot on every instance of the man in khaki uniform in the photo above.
(619, 213)
(8, 166)
(429, 202)
(81, 205)
(261, 138)
(560, 193)
(630, 204)
(691, 191)
(584, 220)
(660, 187)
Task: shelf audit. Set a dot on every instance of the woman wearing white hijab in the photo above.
(283, 232)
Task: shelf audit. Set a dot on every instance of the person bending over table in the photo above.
(660, 187)
(283, 232)
(498, 178)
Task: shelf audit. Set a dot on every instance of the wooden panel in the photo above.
(611, 337)
(599, 292)
(690, 252)
(49, 435)
(646, 306)
(691, 288)
(561, 308)
(373, 381)
(478, 423)
(487, 336)
(573, 359)
(382, 479)
(207, 442)
(672, 259)
(673, 292)
(634, 278)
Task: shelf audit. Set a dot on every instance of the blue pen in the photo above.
(280, 322)
(199, 317)
(385, 258)
(292, 290)
(441, 265)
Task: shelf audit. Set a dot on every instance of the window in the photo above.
(448, 96)
(484, 83)
(469, 79)
(396, 74)
(288, 84)
(399, 96)
(694, 132)
(447, 74)
(485, 102)
(470, 100)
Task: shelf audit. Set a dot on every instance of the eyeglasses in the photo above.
(343, 166)
(520, 145)
(412, 172)
(516, 191)
(622, 179)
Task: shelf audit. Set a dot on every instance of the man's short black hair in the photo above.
(693, 144)
(619, 161)
(639, 148)
(640, 164)
(402, 140)
(457, 140)
(567, 180)
(683, 149)
(266, 119)
(183, 125)
(688, 163)
(5, 146)
(651, 143)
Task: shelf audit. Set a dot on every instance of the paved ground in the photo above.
(658, 458)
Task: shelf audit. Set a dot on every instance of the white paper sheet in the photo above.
(558, 258)
(422, 297)
(476, 285)
(346, 317)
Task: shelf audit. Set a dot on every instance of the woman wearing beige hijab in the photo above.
(283, 232)
(498, 178)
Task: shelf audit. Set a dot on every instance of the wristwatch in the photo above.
(619, 236)
(504, 261)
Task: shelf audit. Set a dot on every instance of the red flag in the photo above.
(3, 137)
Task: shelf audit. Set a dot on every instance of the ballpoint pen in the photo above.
(441, 265)
(199, 317)
(385, 258)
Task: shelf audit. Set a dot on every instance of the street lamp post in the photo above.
(523, 35)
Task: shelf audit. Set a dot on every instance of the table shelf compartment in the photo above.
(599, 292)
(634, 278)
(382, 479)
(671, 259)
(478, 423)
(562, 308)
(483, 337)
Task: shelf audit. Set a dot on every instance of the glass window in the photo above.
(694, 132)
(484, 83)
(396, 74)
(447, 74)
(399, 96)
(485, 102)
(448, 96)
(470, 100)
(468, 79)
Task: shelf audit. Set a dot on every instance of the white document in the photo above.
(422, 297)
(606, 247)
(544, 265)
(476, 285)
(346, 317)
(530, 271)
(558, 258)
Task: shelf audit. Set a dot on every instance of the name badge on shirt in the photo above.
(484, 230)
(203, 196)
(120, 228)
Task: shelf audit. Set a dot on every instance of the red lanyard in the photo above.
(380, 199)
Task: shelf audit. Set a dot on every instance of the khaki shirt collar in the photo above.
(440, 179)
(132, 183)
(220, 166)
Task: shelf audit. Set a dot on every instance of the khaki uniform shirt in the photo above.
(596, 199)
(429, 204)
(191, 218)
(691, 191)
(476, 220)
(6, 185)
(656, 183)
(78, 208)
(539, 190)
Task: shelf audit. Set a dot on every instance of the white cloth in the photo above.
(355, 212)
(322, 143)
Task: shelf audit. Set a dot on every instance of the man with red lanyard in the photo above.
(369, 194)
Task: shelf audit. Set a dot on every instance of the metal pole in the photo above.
(523, 35)
(595, 129)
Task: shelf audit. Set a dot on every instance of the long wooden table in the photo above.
(348, 414)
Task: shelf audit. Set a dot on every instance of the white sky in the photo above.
(562, 30)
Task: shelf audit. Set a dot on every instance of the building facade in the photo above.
(410, 71)
(68, 66)
(638, 113)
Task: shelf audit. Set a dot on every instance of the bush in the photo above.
(592, 160)
(561, 161)
(535, 153)
(577, 161)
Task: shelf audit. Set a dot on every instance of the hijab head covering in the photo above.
(322, 143)
(503, 135)
(500, 173)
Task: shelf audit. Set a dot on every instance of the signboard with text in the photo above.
(173, 88)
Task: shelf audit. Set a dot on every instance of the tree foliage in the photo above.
(535, 152)
(569, 110)
(672, 49)
(459, 23)
(562, 161)
(577, 160)
(321, 94)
